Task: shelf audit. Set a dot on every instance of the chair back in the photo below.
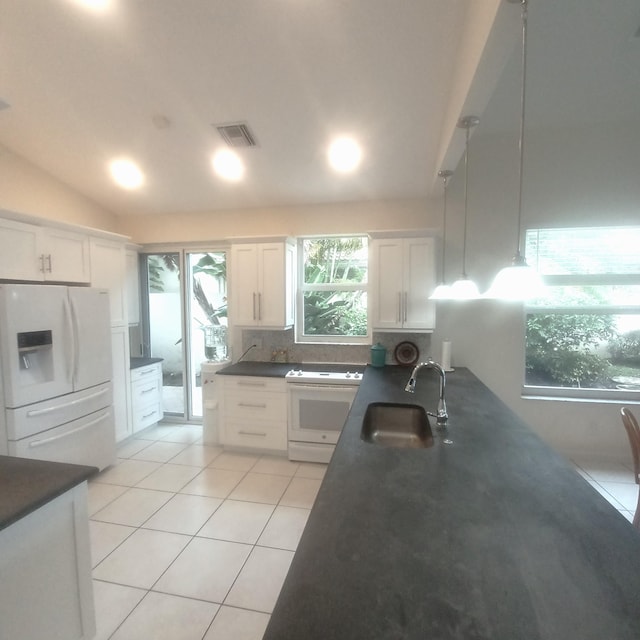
(633, 432)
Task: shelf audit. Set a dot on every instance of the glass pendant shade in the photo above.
(519, 282)
(441, 292)
(464, 289)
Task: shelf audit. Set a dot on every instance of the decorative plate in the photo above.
(406, 353)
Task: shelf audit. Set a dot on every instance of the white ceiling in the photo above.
(85, 87)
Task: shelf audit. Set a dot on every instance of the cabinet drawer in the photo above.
(145, 392)
(145, 373)
(256, 435)
(146, 416)
(262, 407)
(250, 384)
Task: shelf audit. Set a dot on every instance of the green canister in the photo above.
(378, 355)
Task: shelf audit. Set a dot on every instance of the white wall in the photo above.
(351, 217)
(25, 188)
(580, 177)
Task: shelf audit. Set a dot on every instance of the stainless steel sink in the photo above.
(397, 425)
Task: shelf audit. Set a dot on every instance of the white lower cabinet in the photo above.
(45, 564)
(121, 385)
(254, 413)
(146, 396)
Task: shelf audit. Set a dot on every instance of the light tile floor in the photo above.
(613, 481)
(190, 542)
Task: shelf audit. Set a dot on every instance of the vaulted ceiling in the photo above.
(149, 79)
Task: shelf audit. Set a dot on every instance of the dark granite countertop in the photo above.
(280, 369)
(492, 537)
(26, 485)
(137, 362)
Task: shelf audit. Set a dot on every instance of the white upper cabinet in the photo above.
(35, 253)
(402, 277)
(262, 277)
(108, 272)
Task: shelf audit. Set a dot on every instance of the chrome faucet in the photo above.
(441, 415)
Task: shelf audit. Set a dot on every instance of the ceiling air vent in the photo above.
(236, 134)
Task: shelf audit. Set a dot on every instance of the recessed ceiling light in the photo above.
(95, 5)
(228, 165)
(126, 173)
(344, 154)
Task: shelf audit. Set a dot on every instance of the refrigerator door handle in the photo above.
(59, 407)
(86, 425)
(71, 350)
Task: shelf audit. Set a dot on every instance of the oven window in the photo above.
(323, 415)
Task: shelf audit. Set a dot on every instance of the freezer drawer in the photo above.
(34, 418)
(89, 440)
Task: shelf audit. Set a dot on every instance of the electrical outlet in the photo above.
(258, 343)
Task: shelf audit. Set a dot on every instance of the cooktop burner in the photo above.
(323, 377)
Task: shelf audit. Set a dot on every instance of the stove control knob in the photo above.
(356, 375)
(348, 375)
(300, 372)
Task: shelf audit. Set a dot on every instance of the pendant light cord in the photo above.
(518, 258)
(445, 178)
(445, 174)
(466, 181)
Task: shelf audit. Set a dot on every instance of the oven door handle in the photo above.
(321, 387)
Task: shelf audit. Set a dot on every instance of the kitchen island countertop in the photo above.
(494, 536)
(26, 485)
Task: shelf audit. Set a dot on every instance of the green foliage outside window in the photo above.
(334, 287)
(561, 349)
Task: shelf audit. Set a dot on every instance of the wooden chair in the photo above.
(633, 431)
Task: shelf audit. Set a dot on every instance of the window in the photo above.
(583, 336)
(332, 294)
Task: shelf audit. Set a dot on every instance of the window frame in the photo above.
(531, 308)
(302, 287)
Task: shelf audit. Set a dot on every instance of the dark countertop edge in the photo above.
(137, 362)
(280, 369)
(26, 485)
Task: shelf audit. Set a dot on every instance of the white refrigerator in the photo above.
(55, 374)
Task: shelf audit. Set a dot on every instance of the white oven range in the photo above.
(319, 402)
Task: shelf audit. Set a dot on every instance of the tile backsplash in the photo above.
(281, 346)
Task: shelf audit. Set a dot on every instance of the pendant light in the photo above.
(518, 281)
(443, 291)
(464, 288)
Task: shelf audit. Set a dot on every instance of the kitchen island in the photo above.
(494, 536)
(45, 559)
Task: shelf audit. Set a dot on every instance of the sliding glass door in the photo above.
(180, 311)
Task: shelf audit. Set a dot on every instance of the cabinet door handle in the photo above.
(406, 304)
(254, 305)
(49, 261)
(148, 415)
(399, 314)
(252, 433)
(253, 406)
(259, 306)
(41, 263)
(149, 390)
(251, 384)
